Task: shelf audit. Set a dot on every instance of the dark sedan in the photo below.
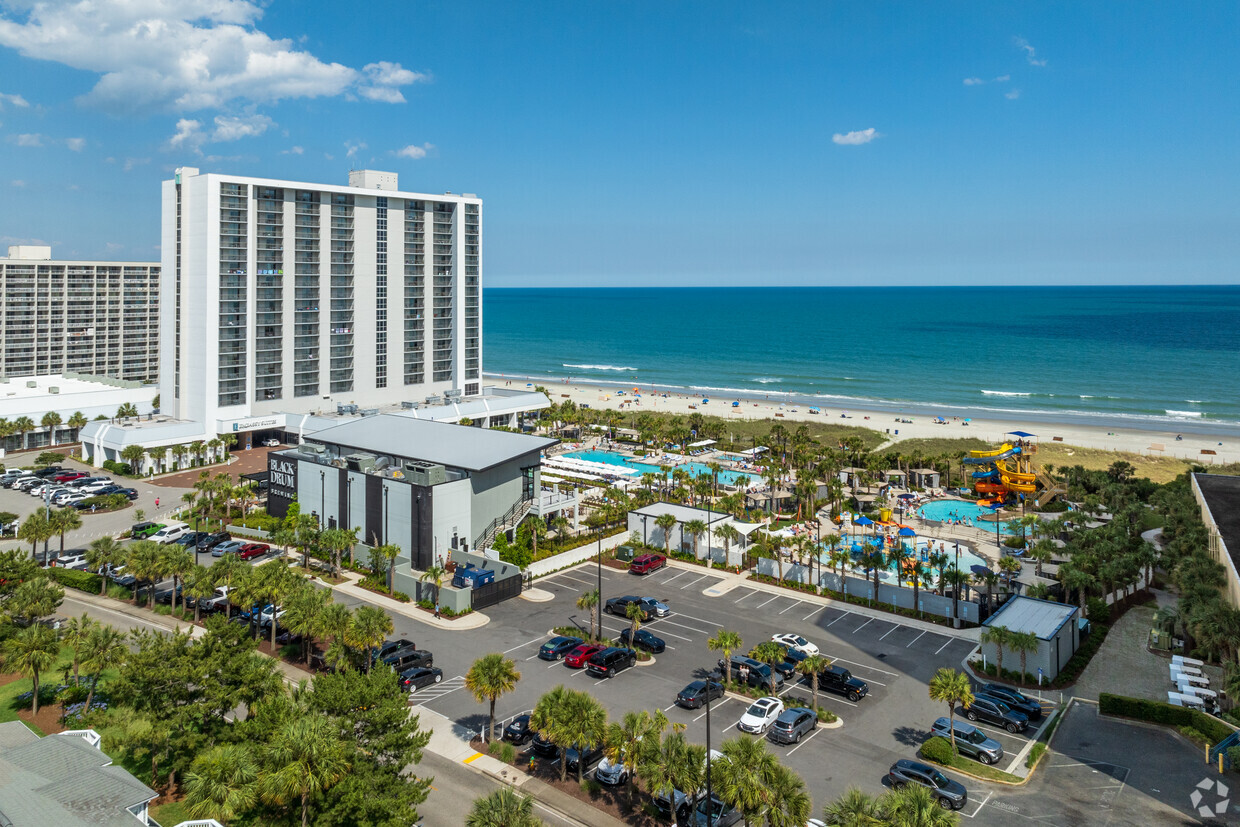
(420, 677)
(643, 640)
(210, 541)
(558, 647)
(518, 732)
(695, 694)
(1014, 699)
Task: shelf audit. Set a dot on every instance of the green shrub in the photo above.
(1014, 542)
(1035, 755)
(1233, 757)
(106, 502)
(826, 716)
(939, 750)
(507, 753)
(492, 748)
(74, 579)
(48, 458)
(1055, 507)
(1097, 609)
(591, 787)
(1203, 726)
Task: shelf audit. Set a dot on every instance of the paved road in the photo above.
(453, 792)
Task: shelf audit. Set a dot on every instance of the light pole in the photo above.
(47, 516)
(709, 796)
(385, 518)
(322, 497)
(956, 590)
(600, 580)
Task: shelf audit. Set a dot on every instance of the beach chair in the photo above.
(1187, 661)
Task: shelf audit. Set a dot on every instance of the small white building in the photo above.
(1055, 625)
(33, 397)
(642, 521)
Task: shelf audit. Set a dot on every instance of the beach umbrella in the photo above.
(906, 496)
(863, 520)
(979, 569)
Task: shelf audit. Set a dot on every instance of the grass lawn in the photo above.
(9, 692)
(938, 446)
(174, 812)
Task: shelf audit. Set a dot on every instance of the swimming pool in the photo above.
(694, 469)
(947, 510)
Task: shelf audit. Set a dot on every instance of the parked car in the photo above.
(270, 613)
(558, 647)
(71, 560)
(110, 488)
(48, 472)
(518, 732)
(251, 550)
(210, 541)
(643, 639)
(970, 740)
(271, 443)
(791, 725)
(42, 487)
(645, 563)
(191, 539)
(140, 531)
(68, 476)
(694, 695)
(613, 775)
(577, 658)
(788, 668)
(68, 499)
(607, 663)
(795, 641)
(390, 646)
(675, 806)
(655, 607)
(543, 747)
(230, 547)
(165, 595)
(131, 493)
(26, 483)
(995, 711)
(403, 659)
(587, 756)
(839, 680)
(420, 677)
(720, 814)
(84, 482)
(620, 605)
(760, 674)
(97, 486)
(951, 794)
(1014, 699)
(760, 715)
(170, 533)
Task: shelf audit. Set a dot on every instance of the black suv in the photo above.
(48, 472)
(694, 695)
(620, 605)
(951, 794)
(792, 657)
(210, 541)
(760, 674)
(995, 711)
(390, 646)
(519, 730)
(839, 680)
(403, 659)
(1017, 701)
(611, 660)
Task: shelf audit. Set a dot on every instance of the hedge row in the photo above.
(76, 579)
(1160, 713)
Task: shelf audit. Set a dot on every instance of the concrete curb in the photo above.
(537, 595)
(473, 620)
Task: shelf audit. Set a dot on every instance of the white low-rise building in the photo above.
(71, 398)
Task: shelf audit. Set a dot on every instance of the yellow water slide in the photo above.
(1016, 480)
(1002, 449)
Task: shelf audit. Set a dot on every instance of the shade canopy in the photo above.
(1021, 434)
(979, 569)
(907, 532)
(906, 496)
(863, 520)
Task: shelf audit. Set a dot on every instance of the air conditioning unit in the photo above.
(409, 406)
(363, 463)
(346, 409)
(370, 412)
(432, 400)
(312, 448)
(425, 473)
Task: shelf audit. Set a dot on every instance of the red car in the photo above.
(69, 476)
(251, 550)
(647, 562)
(578, 657)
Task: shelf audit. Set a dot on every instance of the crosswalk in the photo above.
(437, 690)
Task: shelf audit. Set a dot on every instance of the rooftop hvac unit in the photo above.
(381, 463)
(32, 384)
(432, 400)
(53, 389)
(370, 412)
(312, 448)
(452, 394)
(409, 406)
(346, 409)
(365, 463)
(425, 473)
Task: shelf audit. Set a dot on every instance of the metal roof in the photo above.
(1027, 614)
(682, 513)
(456, 446)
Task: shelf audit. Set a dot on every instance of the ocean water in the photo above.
(1149, 356)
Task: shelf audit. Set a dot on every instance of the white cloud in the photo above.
(353, 149)
(76, 144)
(17, 182)
(1003, 78)
(973, 81)
(235, 128)
(15, 100)
(295, 150)
(28, 139)
(184, 55)
(189, 133)
(414, 151)
(861, 136)
(113, 246)
(1031, 54)
(1013, 95)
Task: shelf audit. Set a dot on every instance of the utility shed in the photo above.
(1055, 626)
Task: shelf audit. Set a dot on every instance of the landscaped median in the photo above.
(938, 750)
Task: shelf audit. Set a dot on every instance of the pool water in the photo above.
(947, 510)
(694, 469)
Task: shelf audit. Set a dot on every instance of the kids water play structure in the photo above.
(1008, 471)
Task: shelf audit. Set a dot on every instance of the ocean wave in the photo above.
(1005, 393)
(1194, 401)
(766, 380)
(598, 367)
(1185, 414)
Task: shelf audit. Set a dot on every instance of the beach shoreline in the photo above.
(893, 422)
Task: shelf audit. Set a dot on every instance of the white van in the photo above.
(170, 533)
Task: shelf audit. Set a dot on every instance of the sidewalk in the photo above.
(728, 581)
(473, 620)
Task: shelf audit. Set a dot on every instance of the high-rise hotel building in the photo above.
(294, 298)
(91, 317)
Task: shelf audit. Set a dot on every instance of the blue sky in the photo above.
(660, 143)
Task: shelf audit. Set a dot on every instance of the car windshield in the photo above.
(939, 779)
(975, 737)
(1003, 707)
(759, 709)
(799, 641)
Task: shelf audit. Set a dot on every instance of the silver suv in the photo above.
(792, 724)
(970, 740)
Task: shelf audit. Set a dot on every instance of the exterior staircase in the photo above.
(510, 519)
(1050, 489)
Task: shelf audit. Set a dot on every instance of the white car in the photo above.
(760, 715)
(39, 490)
(95, 487)
(68, 498)
(794, 641)
(271, 443)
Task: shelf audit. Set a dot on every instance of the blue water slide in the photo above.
(992, 474)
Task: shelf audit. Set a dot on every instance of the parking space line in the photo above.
(579, 580)
(673, 577)
(663, 621)
(760, 605)
(749, 593)
(794, 605)
(980, 805)
(669, 634)
(668, 708)
(838, 619)
(945, 645)
(862, 626)
(914, 640)
(999, 731)
(806, 741)
(827, 696)
(889, 631)
(523, 645)
(814, 612)
(695, 582)
(866, 666)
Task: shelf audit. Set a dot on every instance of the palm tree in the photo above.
(77, 422)
(105, 551)
(133, 455)
(51, 421)
(126, 410)
(952, 688)
(178, 562)
(490, 677)
(629, 742)
(195, 450)
(303, 612)
(1023, 643)
(728, 534)
(695, 529)
(22, 426)
(33, 650)
(549, 720)
(854, 808)
(77, 631)
(1079, 580)
(999, 637)
(503, 808)
(434, 574)
(222, 783)
(914, 806)
(199, 585)
(585, 725)
(389, 552)
(308, 758)
(588, 602)
(334, 623)
(726, 642)
(989, 579)
(813, 665)
(768, 652)
(636, 614)
(105, 649)
(35, 529)
(178, 455)
(790, 804)
(537, 529)
(742, 778)
(666, 522)
(62, 520)
(370, 625)
(1043, 551)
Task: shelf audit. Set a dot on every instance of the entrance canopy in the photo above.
(702, 444)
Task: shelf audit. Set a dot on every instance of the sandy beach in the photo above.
(1137, 441)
